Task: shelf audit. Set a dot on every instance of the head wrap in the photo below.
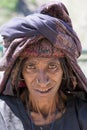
(41, 48)
(51, 21)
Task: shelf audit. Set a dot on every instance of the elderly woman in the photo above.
(43, 87)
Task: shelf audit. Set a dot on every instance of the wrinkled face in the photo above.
(42, 76)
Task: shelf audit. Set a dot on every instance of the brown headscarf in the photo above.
(52, 22)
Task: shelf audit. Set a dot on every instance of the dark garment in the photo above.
(14, 117)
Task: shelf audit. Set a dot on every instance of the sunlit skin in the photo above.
(43, 77)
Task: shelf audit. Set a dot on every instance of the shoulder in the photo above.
(81, 108)
(78, 100)
(9, 113)
(7, 98)
(77, 109)
(81, 112)
(8, 101)
(9, 104)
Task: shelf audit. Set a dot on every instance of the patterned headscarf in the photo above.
(52, 22)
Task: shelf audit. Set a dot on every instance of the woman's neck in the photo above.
(46, 111)
(44, 107)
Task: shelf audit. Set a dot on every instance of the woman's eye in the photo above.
(31, 66)
(52, 67)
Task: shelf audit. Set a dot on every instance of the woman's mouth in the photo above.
(43, 91)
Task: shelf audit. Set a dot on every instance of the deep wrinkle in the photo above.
(49, 73)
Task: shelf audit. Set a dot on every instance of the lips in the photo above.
(43, 90)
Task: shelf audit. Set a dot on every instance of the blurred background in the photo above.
(77, 10)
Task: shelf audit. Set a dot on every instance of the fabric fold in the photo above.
(21, 32)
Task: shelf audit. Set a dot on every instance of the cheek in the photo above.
(57, 78)
(29, 80)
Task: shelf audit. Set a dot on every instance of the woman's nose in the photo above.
(42, 79)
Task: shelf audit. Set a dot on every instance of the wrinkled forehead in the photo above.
(41, 60)
(42, 48)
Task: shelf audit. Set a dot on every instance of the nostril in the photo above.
(44, 81)
(37, 80)
(47, 79)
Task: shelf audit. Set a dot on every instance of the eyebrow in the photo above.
(47, 61)
(30, 62)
